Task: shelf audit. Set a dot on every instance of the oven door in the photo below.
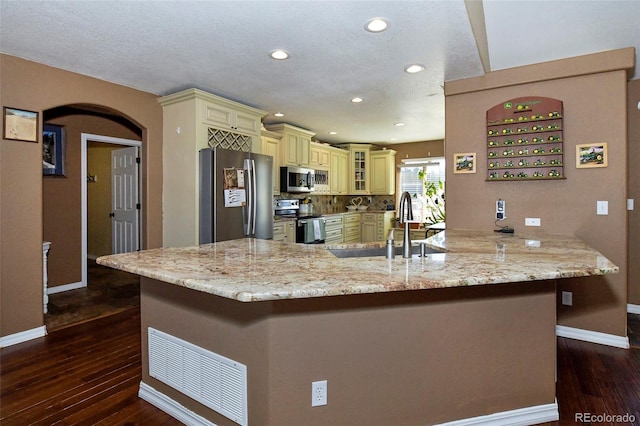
(310, 230)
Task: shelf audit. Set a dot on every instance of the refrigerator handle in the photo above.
(249, 192)
(250, 224)
(254, 200)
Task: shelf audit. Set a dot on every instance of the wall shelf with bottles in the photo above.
(525, 140)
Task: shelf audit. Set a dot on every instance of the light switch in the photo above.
(602, 208)
(630, 204)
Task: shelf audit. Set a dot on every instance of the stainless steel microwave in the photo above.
(297, 179)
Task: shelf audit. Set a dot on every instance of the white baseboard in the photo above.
(23, 336)
(633, 309)
(64, 287)
(593, 336)
(171, 407)
(520, 417)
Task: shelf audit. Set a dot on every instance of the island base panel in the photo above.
(415, 357)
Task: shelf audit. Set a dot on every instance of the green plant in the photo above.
(434, 200)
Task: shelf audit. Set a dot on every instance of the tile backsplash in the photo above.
(326, 204)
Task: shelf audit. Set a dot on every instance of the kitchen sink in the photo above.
(376, 251)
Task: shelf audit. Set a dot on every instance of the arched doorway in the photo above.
(65, 197)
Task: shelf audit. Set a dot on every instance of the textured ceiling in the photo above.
(222, 47)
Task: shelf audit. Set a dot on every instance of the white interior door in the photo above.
(125, 204)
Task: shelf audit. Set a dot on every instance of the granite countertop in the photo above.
(251, 270)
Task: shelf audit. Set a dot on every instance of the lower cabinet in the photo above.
(284, 230)
(333, 229)
(351, 231)
(375, 226)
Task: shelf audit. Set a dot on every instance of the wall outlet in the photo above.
(319, 393)
(532, 221)
(630, 204)
(567, 298)
(602, 208)
(501, 210)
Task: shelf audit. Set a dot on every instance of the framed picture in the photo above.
(464, 162)
(53, 150)
(592, 155)
(20, 125)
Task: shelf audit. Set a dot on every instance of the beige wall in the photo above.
(634, 191)
(418, 150)
(36, 87)
(403, 358)
(593, 89)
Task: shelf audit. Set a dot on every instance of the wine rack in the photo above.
(525, 140)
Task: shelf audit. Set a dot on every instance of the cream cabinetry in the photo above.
(295, 146)
(376, 226)
(333, 227)
(339, 172)
(284, 230)
(227, 116)
(271, 146)
(321, 163)
(191, 120)
(320, 156)
(351, 226)
(359, 168)
(383, 172)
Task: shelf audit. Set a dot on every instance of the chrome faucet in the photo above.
(406, 214)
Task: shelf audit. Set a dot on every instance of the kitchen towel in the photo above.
(314, 231)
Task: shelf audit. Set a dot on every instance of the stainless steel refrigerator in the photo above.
(236, 195)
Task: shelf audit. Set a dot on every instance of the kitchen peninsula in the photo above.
(462, 334)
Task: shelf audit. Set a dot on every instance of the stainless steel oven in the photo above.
(310, 230)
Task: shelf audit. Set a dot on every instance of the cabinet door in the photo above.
(383, 176)
(304, 150)
(369, 231)
(219, 116)
(247, 123)
(338, 173)
(271, 146)
(359, 170)
(290, 231)
(290, 150)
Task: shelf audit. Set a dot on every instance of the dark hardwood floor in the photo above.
(88, 374)
(108, 291)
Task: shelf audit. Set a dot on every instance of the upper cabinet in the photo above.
(359, 168)
(229, 117)
(383, 172)
(339, 172)
(320, 156)
(295, 145)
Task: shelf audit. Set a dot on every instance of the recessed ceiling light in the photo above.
(376, 25)
(357, 100)
(279, 54)
(333, 132)
(398, 124)
(412, 69)
(279, 114)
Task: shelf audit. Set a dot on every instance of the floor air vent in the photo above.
(211, 379)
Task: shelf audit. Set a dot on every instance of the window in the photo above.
(425, 209)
